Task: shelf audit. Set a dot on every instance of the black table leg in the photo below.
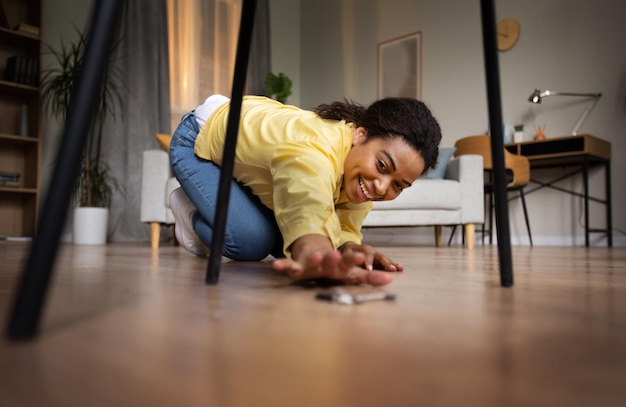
(230, 145)
(609, 205)
(497, 144)
(586, 197)
(35, 279)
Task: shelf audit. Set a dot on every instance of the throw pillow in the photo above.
(164, 141)
(445, 153)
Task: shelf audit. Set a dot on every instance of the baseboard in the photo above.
(426, 236)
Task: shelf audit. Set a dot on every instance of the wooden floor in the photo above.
(125, 326)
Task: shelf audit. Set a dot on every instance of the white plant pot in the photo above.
(90, 225)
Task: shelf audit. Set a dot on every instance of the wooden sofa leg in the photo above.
(438, 229)
(155, 234)
(469, 235)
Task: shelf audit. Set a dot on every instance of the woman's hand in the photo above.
(373, 258)
(313, 257)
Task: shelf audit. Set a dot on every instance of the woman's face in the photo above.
(378, 170)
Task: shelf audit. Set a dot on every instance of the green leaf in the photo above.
(95, 184)
(278, 86)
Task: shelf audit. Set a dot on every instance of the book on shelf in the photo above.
(10, 238)
(22, 69)
(9, 176)
(27, 29)
(12, 184)
(9, 179)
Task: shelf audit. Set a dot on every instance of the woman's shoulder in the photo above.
(255, 99)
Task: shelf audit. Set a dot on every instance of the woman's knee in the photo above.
(250, 244)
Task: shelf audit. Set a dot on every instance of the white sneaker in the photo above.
(183, 210)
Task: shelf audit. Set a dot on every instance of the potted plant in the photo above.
(278, 86)
(518, 135)
(95, 184)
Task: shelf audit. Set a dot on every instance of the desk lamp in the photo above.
(539, 94)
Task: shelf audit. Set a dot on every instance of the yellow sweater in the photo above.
(293, 161)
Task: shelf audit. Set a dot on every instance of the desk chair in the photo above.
(517, 170)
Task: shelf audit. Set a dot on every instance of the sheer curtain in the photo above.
(200, 52)
(202, 39)
(143, 62)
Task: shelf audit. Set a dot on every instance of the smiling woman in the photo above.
(303, 180)
(371, 167)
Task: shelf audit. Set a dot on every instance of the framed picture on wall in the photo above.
(399, 67)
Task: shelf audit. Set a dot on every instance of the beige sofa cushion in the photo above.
(421, 196)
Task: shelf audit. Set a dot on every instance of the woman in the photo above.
(303, 181)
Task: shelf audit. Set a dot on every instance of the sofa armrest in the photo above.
(468, 170)
(156, 171)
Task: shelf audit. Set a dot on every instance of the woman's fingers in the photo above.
(385, 263)
(368, 252)
(334, 265)
(378, 278)
(287, 266)
(373, 258)
(369, 261)
(362, 276)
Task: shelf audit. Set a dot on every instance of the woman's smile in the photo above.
(367, 196)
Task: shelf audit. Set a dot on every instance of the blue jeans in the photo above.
(251, 231)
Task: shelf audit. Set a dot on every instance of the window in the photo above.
(202, 46)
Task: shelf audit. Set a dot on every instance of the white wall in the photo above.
(285, 40)
(567, 45)
(61, 18)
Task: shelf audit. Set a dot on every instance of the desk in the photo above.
(583, 152)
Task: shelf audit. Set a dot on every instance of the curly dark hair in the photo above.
(387, 118)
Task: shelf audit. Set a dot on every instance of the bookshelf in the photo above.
(20, 147)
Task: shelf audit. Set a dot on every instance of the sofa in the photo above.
(450, 195)
(157, 183)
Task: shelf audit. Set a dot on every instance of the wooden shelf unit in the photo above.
(20, 146)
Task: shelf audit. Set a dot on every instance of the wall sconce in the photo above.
(539, 94)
